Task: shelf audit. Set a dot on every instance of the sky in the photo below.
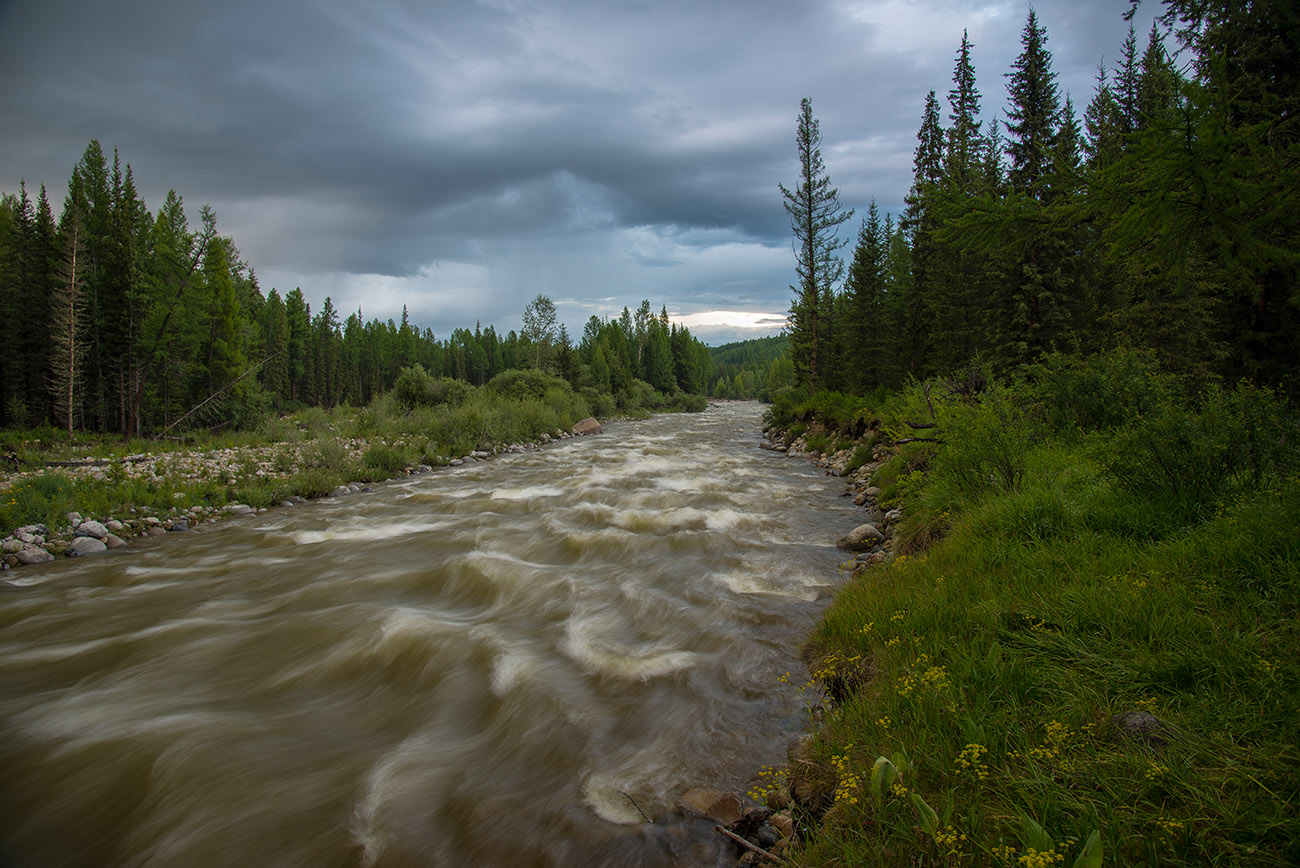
(461, 158)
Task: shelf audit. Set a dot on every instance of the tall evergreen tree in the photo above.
(1033, 111)
(815, 216)
(865, 320)
(68, 320)
(963, 152)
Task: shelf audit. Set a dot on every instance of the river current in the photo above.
(490, 665)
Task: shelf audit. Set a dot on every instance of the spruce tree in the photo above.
(963, 150)
(815, 216)
(1033, 111)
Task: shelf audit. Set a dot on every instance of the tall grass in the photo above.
(1083, 648)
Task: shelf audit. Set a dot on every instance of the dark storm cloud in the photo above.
(383, 138)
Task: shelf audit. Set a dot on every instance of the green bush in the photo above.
(383, 462)
(1098, 393)
(416, 388)
(985, 442)
(639, 395)
(325, 452)
(520, 385)
(818, 441)
(600, 404)
(861, 456)
(687, 402)
(1229, 440)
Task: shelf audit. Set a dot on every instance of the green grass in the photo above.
(1048, 590)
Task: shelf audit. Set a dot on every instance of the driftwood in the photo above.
(751, 847)
(638, 808)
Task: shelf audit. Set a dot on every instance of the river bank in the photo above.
(204, 485)
(1081, 644)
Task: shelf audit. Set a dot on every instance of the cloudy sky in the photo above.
(462, 157)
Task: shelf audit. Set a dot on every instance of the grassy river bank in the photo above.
(1083, 649)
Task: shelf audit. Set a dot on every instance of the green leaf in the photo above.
(995, 654)
(929, 819)
(882, 775)
(1091, 855)
(1035, 837)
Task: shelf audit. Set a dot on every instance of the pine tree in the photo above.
(68, 320)
(865, 321)
(815, 216)
(1126, 84)
(1103, 143)
(963, 152)
(1033, 111)
(920, 220)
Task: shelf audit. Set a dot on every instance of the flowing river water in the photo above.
(484, 666)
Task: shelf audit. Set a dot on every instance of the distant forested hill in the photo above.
(751, 369)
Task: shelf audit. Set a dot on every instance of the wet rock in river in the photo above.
(587, 426)
(722, 808)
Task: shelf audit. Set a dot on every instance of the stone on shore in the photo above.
(30, 554)
(91, 528)
(587, 426)
(86, 545)
(114, 541)
(237, 509)
(862, 538)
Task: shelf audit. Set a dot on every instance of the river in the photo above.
(483, 666)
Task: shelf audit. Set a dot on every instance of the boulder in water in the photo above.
(587, 426)
(720, 807)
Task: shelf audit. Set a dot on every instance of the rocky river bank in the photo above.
(80, 535)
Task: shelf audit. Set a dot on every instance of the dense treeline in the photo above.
(119, 320)
(1164, 218)
(752, 369)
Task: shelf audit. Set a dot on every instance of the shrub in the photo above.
(599, 404)
(687, 402)
(639, 395)
(818, 441)
(1098, 393)
(785, 402)
(985, 442)
(382, 462)
(326, 452)
(416, 388)
(1229, 440)
(520, 385)
(861, 456)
